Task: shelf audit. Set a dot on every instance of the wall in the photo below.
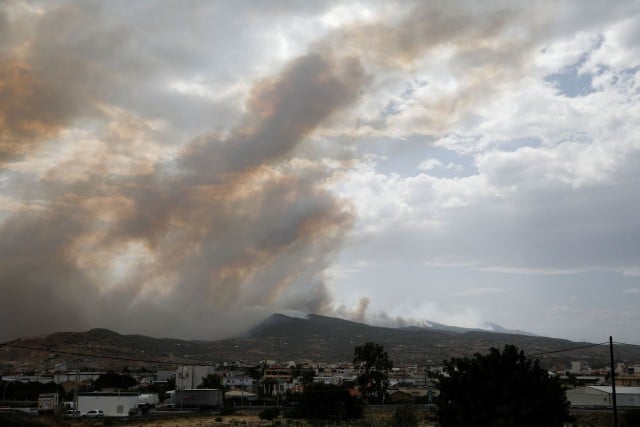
(113, 404)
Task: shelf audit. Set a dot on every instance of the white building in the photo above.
(165, 375)
(326, 379)
(62, 377)
(234, 382)
(578, 367)
(602, 396)
(116, 404)
(190, 376)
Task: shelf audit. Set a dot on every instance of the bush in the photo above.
(405, 416)
(631, 418)
(269, 413)
(322, 401)
(228, 408)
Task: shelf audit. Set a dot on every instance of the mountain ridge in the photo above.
(283, 338)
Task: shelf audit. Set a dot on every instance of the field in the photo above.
(582, 418)
(240, 419)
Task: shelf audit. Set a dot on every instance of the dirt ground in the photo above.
(251, 420)
(209, 421)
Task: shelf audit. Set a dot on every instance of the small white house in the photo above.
(113, 404)
(602, 396)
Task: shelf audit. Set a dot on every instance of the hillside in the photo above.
(283, 338)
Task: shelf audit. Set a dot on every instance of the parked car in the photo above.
(94, 413)
(71, 413)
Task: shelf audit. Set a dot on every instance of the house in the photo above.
(191, 376)
(632, 381)
(113, 404)
(601, 396)
(234, 382)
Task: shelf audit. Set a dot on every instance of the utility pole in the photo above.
(75, 393)
(613, 384)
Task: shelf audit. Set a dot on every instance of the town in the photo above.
(229, 387)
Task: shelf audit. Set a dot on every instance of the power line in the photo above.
(190, 362)
(626, 343)
(580, 347)
(566, 349)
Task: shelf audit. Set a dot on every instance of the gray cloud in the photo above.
(143, 203)
(229, 227)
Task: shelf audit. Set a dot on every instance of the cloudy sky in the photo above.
(186, 168)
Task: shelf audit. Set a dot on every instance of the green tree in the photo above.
(328, 401)
(499, 389)
(161, 387)
(27, 391)
(405, 416)
(115, 381)
(308, 375)
(374, 366)
(211, 381)
(256, 372)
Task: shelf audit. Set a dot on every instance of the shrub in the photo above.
(631, 418)
(405, 416)
(322, 401)
(269, 413)
(228, 408)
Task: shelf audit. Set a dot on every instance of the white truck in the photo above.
(194, 398)
(146, 401)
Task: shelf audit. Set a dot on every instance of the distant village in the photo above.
(188, 387)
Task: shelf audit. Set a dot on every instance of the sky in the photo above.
(187, 168)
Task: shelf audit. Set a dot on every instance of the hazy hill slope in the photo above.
(284, 338)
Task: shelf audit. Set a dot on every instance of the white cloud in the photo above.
(479, 291)
(430, 164)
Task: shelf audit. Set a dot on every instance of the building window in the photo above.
(120, 409)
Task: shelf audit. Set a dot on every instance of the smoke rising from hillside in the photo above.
(117, 211)
(232, 226)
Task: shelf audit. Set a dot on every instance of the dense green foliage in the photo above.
(269, 413)
(327, 401)
(499, 389)
(211, 381)
(374, 365)
(630, 418)
(113, 380)
(28, 391)
(161, 388)
(405, 416)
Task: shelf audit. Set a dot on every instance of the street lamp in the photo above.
(4, 392)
